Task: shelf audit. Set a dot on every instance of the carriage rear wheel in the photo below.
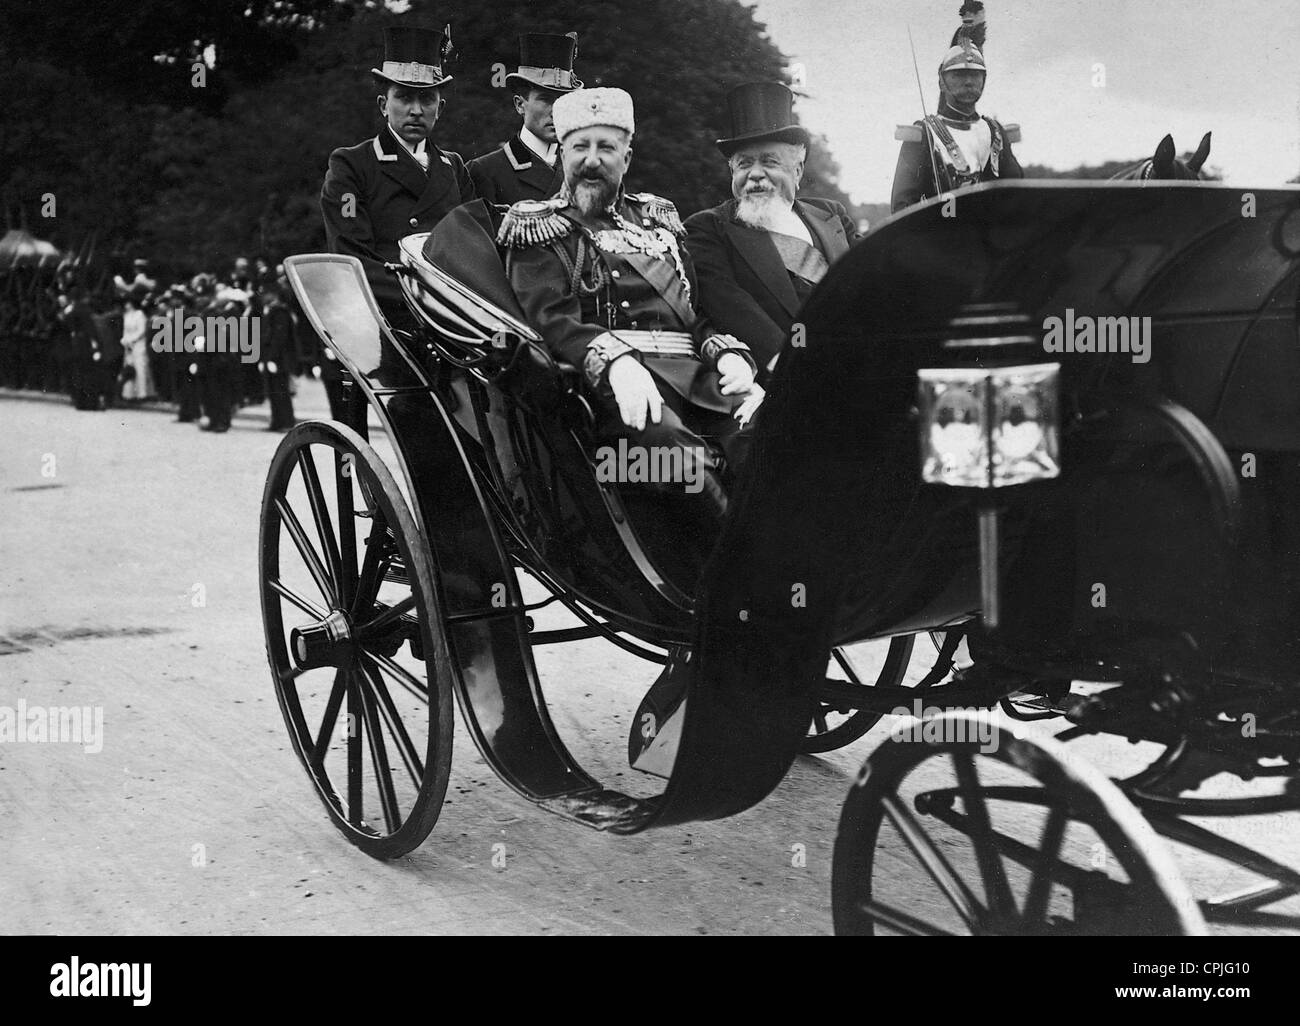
(838, 722)
(958, 827)
(354, 637)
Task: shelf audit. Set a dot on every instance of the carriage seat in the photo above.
(454, 281)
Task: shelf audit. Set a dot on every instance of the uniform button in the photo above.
(615, 274)
(634, 325)
(625, 304)
(414, 222)
(646, 223)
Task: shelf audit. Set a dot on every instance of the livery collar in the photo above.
(539, 147)
(417, 151)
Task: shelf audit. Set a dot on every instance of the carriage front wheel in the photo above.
(957, 826)
(354, 636)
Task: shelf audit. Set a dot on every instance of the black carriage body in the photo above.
(1173, 525)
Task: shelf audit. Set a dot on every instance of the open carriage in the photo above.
(1077, 516)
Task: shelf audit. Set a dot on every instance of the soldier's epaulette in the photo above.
(909, 133)
(661, 211)
(534, 222)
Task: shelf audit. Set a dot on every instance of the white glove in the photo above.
(635, 392)
(737, 377)
(744, 413)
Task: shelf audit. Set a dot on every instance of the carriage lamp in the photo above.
(989, 428)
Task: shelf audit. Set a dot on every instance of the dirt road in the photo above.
(128, 544)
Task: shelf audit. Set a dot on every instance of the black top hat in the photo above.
(413, 57)
(761, 110)
(546, 61)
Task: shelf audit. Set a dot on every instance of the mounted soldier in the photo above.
(956, 147)
(527, 165)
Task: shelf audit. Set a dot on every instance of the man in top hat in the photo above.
(955, 147)
(527, 165)
(759, 255)
(399, 182)
(603, 277)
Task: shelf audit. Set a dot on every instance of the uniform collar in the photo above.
(546, 151)
(419, 150)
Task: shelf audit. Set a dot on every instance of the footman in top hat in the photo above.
(527, 165)
(602, 275)
(399, 182)
(759, 255)
(956, 144)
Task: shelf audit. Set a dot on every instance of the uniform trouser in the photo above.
(711, 446)
(219, 391)
(277, 390)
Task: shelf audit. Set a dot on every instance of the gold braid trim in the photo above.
(533, 223)
(661, 211)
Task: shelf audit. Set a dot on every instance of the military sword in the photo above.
(925, 115)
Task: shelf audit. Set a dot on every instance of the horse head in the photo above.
(1165, 165)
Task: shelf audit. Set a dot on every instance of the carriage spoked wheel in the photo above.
(838, 721)
(957, 827)
(356, 645)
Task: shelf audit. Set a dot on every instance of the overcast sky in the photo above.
(1180, 66)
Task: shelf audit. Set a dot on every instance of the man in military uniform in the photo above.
(955, 144)
(527, 165)
(759, 255)
(399, 182)
(601, 274)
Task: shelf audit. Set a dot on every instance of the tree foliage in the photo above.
(100, 109)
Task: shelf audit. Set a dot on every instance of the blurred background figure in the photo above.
(137, 376)
(279, 356)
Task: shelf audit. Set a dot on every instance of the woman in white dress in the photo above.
(137, 384)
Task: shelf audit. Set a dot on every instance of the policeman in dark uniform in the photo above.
(86, 373)
(526, 166)
(278, 361)
(955, 143)
(399, 182)
(605, 279)
(187, 365)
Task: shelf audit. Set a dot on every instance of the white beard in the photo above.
(764, 210)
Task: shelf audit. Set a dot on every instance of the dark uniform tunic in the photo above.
(914, 175)
(746, 287)
(631, 272)
(513, 172)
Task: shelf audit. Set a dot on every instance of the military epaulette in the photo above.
(909, 133)
(534, 222)
(661, 211)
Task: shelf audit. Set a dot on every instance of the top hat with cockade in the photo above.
(413, 57)
(546, 61)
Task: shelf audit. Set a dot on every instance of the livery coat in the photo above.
(512, 172)
(394, 197)
(745, 289)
